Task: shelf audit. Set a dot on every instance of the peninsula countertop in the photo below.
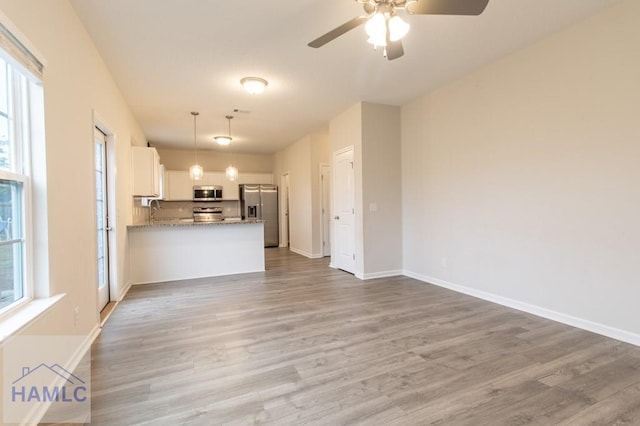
(190, 222)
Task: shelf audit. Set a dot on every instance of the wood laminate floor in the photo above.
(306, 344)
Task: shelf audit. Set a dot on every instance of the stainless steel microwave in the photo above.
(207, 193)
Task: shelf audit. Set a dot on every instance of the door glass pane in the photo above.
(11, 243)
(100, 214)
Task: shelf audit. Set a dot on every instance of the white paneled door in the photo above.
(102, 220)
(344, 210)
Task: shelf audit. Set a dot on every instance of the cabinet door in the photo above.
(145, 165)
(230, 190)
(179, 186)
(213, 178)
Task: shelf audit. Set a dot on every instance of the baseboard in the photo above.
(563, 318)
(124, 292)
(36, 416)
(381, 274)
(306, 253)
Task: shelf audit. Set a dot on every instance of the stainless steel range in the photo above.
(207, 214)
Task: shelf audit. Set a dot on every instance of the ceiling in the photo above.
(170, 57)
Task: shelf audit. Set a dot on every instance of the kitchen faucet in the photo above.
(152, 209)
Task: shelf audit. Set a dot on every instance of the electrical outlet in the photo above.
(76, 316)
(444, 261)
(373, 207)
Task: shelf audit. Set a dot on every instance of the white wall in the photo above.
(319, 155)
(76, 83)
(374, 132)
(520, 181)
(382, 190)
(301, 160)
(180, 159)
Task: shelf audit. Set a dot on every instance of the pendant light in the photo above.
(231, 171)
(196, 172)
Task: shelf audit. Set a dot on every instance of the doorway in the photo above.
(344, 210)
(325, 208)
(102, 217)
(284, 184)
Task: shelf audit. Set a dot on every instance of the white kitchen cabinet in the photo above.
(179, 186)
(212, 178)
(145, 165)
(163, 186)
(230, 189)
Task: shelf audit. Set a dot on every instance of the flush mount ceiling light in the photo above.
(223, 140)
(386, 29)
(254, 85)
(196, 172)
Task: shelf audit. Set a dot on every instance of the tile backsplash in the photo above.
(180, 210)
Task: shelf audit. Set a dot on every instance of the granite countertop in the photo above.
(190, 222)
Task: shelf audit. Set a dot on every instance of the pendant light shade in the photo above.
(231, 171)
(196, 172)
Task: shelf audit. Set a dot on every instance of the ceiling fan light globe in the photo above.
(397, 28)
(376, 27)
(223, 140)
(196, 172)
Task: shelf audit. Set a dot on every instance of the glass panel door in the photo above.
(102, 219)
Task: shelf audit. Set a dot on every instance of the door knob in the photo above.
(337, 218)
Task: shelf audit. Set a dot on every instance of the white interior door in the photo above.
(344, 210)
(102, 220)
(325, 181)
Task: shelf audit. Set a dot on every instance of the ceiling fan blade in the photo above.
(394, 50)
(337, 32)
(447, 7)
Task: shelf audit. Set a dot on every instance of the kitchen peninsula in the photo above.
(178, 249)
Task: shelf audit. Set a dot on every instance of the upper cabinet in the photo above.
(145, 164)
(178, 186)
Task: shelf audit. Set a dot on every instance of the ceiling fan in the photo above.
(386, 29)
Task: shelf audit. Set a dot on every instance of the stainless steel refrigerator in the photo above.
(261, 202)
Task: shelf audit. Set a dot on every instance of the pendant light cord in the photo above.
(229, 118)
(195, 138)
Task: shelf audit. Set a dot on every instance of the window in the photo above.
(16, 112)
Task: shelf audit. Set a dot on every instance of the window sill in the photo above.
(23, 316)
